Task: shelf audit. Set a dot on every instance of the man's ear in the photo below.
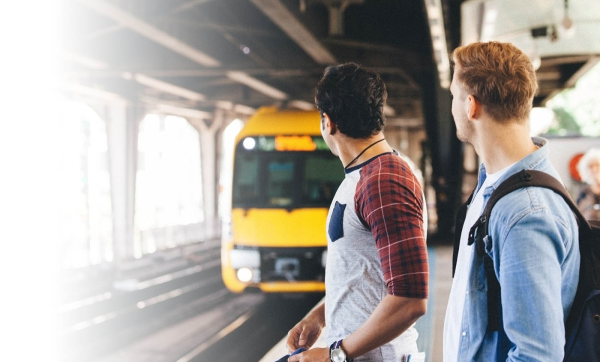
(328, 124)
(474, 107)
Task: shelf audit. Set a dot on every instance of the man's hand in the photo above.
(304, 334)
(312, 355)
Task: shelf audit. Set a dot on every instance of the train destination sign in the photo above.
(284, 143)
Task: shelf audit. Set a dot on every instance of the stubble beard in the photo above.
(465, 132)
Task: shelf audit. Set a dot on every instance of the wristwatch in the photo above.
(336, 352)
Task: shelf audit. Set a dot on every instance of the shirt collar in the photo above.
(529, 162)
(352, 169)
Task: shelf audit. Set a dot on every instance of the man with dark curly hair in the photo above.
(377, 272)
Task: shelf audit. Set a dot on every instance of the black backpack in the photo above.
(583, 323)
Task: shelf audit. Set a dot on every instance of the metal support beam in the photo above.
(303, 105)
(584, 69)
(176, 45)
(280, 15)
(148, 82)
(164, 86)
(548, 75)
(550, 62)
(256, 84)
(143, 28)
(589, 64)
(183, 112)
(336, 19)
(401, 122)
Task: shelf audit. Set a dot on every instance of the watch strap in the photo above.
(337, 345)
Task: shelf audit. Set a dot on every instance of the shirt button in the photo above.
(464, 334)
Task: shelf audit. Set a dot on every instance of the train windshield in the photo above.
(287, 180)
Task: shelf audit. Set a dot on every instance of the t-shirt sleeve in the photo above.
(389, 202)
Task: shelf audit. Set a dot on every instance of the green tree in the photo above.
(577, 110)
(564, 123)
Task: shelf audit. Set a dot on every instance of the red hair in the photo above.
(500, 76)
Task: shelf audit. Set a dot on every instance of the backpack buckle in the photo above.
(524, 176)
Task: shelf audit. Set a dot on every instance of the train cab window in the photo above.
(285, 179)
(246, 183)
(322, 176)
(280, 183)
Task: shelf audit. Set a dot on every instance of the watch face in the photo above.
(338, 355)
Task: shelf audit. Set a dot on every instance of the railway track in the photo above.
(175, 310)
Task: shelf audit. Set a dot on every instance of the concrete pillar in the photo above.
(208, 148)
(122, 121)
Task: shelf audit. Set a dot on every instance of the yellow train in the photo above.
(284, 179)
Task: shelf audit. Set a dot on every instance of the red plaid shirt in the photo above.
(389, 202)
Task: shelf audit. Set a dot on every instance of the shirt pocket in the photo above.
(336, 222)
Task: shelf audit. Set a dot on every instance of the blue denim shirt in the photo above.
(533, 241)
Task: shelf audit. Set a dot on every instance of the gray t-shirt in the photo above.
(376, 246)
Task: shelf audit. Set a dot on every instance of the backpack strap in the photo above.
(480, 230)
(461, 215)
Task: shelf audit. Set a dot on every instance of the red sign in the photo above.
(573, 167)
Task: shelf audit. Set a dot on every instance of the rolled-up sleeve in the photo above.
(389, 202)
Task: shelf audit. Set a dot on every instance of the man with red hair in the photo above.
(532, 238)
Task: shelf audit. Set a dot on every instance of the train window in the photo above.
(322, 176)
(287, 180)
(280, 183)
(246, 182)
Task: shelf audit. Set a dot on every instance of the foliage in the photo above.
(577, 110)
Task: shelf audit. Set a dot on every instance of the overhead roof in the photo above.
(240, 55)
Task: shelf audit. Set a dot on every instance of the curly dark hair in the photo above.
(353, 97)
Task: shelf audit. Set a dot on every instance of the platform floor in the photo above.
(431, 325)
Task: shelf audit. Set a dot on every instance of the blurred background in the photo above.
(171, 168)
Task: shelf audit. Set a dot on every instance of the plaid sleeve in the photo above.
(390, 203)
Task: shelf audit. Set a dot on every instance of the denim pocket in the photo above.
(336, 223)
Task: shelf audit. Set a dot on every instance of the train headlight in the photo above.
(324, 258)
(244, 275)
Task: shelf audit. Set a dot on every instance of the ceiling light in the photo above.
(245, 49)
(567, 29)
